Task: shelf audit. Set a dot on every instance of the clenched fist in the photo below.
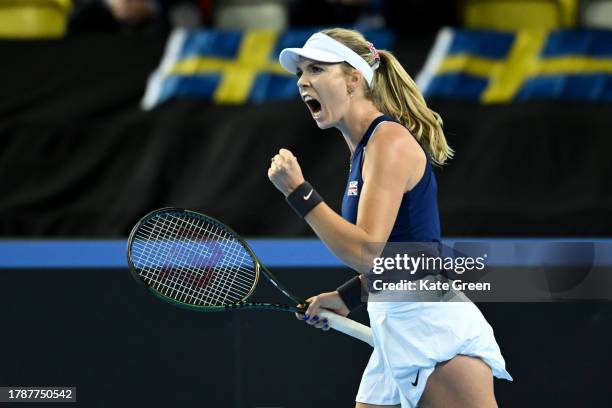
(285, 172)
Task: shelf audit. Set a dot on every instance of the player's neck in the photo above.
(356, 122)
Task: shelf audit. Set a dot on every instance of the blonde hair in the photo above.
(394, 93)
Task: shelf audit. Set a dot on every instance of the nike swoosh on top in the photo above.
(307, 196)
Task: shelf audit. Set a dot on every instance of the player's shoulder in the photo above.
(392, 139)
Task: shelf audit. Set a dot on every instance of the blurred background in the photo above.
(112, 108)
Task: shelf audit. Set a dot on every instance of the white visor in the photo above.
(323, 48)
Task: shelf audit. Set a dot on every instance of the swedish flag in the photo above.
(500, 67)
(230, 67)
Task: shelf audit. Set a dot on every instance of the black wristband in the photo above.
(303, 199)
(350, 293)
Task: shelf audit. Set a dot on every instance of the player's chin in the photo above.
(323, 124)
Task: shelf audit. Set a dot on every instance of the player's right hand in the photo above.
(328, 300)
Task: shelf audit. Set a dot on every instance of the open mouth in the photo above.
(313, 105)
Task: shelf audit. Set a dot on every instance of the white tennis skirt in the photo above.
(410, 338)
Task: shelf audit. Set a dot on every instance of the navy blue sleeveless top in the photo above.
(418, 219)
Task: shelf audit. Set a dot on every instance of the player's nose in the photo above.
(302, 81)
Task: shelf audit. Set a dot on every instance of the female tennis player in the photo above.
(430, 354)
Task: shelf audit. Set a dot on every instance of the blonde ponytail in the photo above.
(394, 92)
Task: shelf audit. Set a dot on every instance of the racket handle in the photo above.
(348, 326)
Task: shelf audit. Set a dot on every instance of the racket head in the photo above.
(192, 260)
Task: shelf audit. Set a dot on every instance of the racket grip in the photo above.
(348, 326)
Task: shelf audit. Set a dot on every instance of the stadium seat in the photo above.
(34, 18)
(519, 14)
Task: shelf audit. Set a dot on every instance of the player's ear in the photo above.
(354, 79)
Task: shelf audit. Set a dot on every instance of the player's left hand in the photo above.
(285, 172)
(328, 300)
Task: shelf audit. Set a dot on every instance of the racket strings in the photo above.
(236, 271)
(176, 289)
(192, 260)
(161, 273)
(152, 264)
(216, 293)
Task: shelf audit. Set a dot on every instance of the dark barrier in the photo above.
(78, 157)
(99, 331)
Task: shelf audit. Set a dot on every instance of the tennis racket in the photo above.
(194, 261)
